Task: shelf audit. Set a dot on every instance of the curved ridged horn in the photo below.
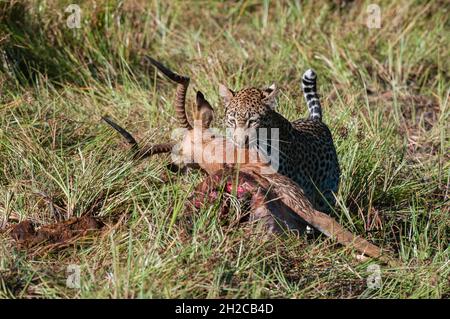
(180, 96)
(155, 149)
(139, 153)
(130, 139)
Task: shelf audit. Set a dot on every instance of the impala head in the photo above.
(247, 110)
(197, 134)
(191, 148)
(195, 137)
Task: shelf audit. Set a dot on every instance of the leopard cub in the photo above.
(306, 152)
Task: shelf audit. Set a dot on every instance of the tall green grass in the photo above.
(385, 94)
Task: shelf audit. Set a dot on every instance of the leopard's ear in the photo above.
(226, 94)
(204, 112)
(270, 96)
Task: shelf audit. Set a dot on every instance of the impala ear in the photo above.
(204, 111)
(270, 96)
(226, 94)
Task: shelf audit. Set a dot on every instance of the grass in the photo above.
(385, 94)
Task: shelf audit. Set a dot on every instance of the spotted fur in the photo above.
(307, 153)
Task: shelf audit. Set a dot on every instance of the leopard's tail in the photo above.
(310, 92)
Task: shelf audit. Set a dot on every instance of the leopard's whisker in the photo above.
(272, 147)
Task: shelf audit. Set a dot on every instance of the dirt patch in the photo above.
(55, 235)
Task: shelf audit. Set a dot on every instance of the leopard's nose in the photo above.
(240, 137)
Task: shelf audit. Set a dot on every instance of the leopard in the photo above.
(305, 148)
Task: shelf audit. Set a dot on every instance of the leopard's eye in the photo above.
(230, 122)
(252, 122)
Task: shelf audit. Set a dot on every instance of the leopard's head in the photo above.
(248, 110)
